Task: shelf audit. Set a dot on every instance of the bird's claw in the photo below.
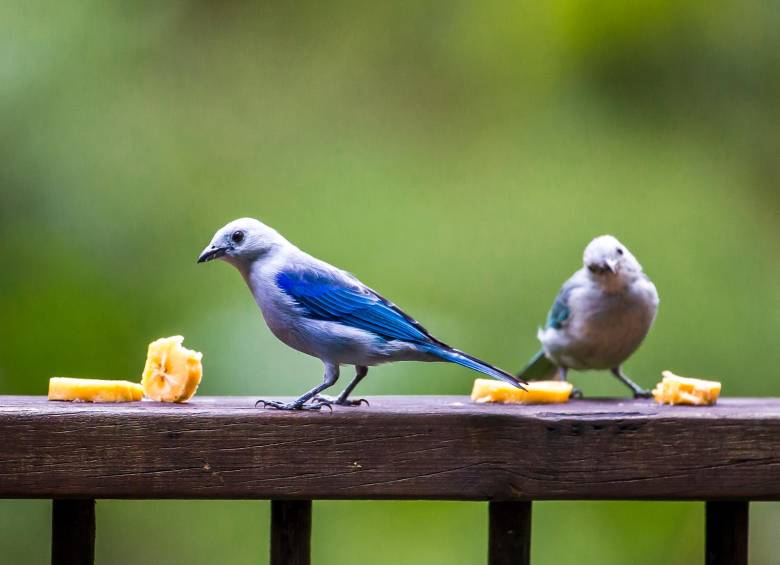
(292, 405)
(339, 401)
(352, 402)
(321, 401)
(577, 393)
(642, 393)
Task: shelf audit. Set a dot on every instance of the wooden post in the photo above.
(73, 532)
(727, 533)
(290, 532)
(510, 533)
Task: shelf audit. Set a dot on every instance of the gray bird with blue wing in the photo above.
(600, 317)
(325, 312)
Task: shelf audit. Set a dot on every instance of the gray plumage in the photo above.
(600, 316)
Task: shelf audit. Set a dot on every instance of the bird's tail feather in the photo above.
(471, 362)
(538, 368)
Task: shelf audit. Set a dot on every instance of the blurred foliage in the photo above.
(457, 156)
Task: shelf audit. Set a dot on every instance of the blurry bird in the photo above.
(327, 313)
(600, 317)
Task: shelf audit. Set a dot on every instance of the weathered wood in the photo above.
(509, 540)
(727, 533)
(73, 532)
(290, 532)
(399, 447)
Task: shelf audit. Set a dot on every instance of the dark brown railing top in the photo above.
(399, 447)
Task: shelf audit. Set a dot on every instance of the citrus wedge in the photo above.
(93, 390)
(539, 392)
(172, 372)
(674, 389)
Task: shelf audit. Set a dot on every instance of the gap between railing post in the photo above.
(290, 532)
(509, 540)
(73, 532)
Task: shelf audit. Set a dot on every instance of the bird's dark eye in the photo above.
(237, 237)
(620, 251)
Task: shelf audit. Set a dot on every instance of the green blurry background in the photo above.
(457, 156)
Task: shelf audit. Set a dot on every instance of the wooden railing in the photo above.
(398, 448)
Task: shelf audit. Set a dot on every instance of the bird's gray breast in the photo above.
(603, 329)
(278, 309)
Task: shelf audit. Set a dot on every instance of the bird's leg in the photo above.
(341, 399)
(360, 372)
(638, 391)
(330, 378)
(561, 375)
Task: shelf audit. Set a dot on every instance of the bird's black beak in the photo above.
(608, 266)
(212, 252)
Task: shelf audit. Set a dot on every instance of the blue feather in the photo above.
(466, 360)
(322, 296)
(560, 311)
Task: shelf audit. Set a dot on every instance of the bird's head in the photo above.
(605, 257)
(241, 242)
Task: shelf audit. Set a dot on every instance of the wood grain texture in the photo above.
(73, 532)
(399, 447)
(290, 532)
(727, 533)
(509, 537)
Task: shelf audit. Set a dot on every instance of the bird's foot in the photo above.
(577, 393)
(352, 402)
(276, 405)
(340, 401)
(642, 393)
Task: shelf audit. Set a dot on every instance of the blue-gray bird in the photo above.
(327, 313)
(600, 317)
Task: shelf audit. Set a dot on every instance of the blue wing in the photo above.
(325, 296)
(560, 311)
